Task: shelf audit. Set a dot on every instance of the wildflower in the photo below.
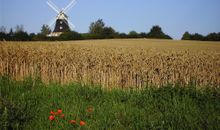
(59, 111)
(51, 118)
(72, 121)
(82, 123)
(52, 112)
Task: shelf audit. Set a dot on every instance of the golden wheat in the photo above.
(114, 63)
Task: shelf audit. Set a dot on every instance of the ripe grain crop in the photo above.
(114, 63)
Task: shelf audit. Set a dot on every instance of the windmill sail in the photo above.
(61, 21)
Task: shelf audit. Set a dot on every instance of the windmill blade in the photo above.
(72, 26)
(52, 22)
(67, 10)
(53, 7)
(69, 6)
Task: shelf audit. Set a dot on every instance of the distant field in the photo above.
(114, 63)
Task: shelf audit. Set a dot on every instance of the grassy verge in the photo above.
(27, 105)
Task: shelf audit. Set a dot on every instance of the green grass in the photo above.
(27, 105)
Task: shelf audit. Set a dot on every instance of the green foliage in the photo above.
(97, 27)
(213, 37)
(108, 32)
(156, 32)
(70, 35)
(45, 30)
(143, 35)
(4, 118)
(133, 34)
(21, 36)
(122, 35)
(3, 36)
(97, 30)
(17, 104)
(2, 29)
(186, 36)
(27, 105)
(199, 37)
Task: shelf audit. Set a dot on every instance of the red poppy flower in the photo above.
(52, 112)
(59, 111)
(51, 118)
(72, 121)
(82, 123)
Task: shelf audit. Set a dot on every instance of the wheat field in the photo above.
(114, 63)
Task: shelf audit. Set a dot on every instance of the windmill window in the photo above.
(61, 28)
(61, 22)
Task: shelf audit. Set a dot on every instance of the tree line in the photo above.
(97, 30)
(199, 37)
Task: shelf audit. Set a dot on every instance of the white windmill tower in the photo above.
(61, 21)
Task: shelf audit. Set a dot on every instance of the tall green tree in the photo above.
(156, 32)
(45, 30)
(97, 27)
(108, 32)
(186, 36)
(133, 34)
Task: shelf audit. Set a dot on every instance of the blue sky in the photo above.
(174, 16)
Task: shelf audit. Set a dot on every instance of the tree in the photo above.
(213, 37)
(143, 35)
(11, 33)
(96, 27)
(108, 32)
(32, 36)
(20, 34)
(197, 36)
(3, 35)
(45, 30)
(3, 29)
(156, 32)
(19, 28)
(133, 34)
(123, 35)
(186, 36)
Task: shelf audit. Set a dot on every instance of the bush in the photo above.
(70, 35)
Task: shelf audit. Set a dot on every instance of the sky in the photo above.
(174, 16)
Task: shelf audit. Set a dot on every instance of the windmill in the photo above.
(61, 21)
